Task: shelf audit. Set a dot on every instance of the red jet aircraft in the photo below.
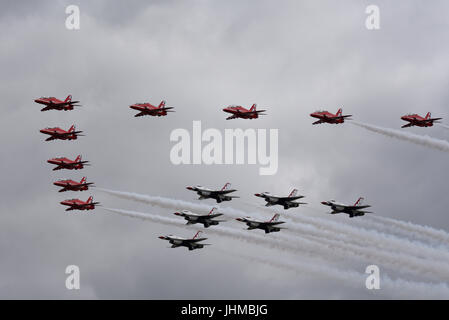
(60, 134)
(147, 109)
(327, 117)
(243, 113)
(64, 163)
(52, 103)
(415, 120)
(70, 185)
(77, 204)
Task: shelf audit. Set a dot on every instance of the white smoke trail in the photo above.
(439, 237)
(399, 288)
(426, 141)
(243, 235)
(395, 287)
(407, 230)
(312, 225)
(333, 250)
(366, 237)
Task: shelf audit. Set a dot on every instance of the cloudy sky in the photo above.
(292, 57)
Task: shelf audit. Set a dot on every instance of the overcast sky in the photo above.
(292, 57)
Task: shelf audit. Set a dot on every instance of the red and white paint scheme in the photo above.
(416, 120)
(354, 210)
(268, 226)
(61, 134)
(328, 117)
(70, 185)
(77, 204)
(218, 195)
(243, 113)
(65, 163)
(206, 219)
(287, 202)
(191, 244)
(147, 109)
(52, 103)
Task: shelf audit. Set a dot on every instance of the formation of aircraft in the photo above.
(52, 103)
(70, 185)
(268, 226)
(77, 204)
(191, 244)
(243, 113)
(416, 120)
(354, 210)
(209, 219)
(287, 202)
(147, 109)
(65, 163)
(328, 117)
(205, 219)
(218, 195)
(61, 134)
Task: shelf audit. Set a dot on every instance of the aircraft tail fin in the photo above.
(83, 180)
(162, 104)
(69, 98)
(90, 199)
(226, 186)
(197, 234)
(253, 108)
(339, 112)
(72, 128)
(275, 217)
(359, 201)
(293, 193)
(78, 159)
(213, 210)
(428, 115)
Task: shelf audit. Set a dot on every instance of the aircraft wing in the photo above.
(211, 216)
(290, 198)
(48, 107)
(357, 207)
(407, 125)
(272, 223)
(223, 191)
(164, 109)
(85, 184)
(194, 240)
(253, 112)
(68, 133)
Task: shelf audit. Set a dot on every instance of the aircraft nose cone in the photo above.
(161, 237)
(257, 194)
(189, 188)
(323, 202)
(177, 213)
